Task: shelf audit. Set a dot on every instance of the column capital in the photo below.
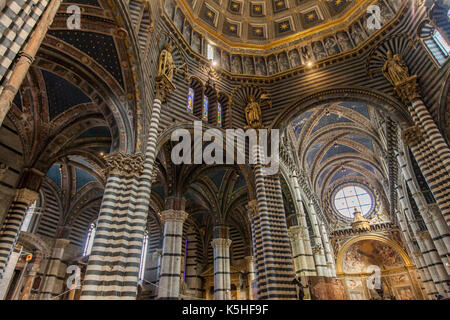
(295, 232)
(174, 215)
(412, 135)
(26, 195)
(124, 164)
(221, 243)
(61, 243)
(252, 208)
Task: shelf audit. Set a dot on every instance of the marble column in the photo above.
(318, 248)
(54, 279)
(431, 214)
(9, 272)
(329, 255)
(298, 250)
(193, 280)
(9, 233)
(250, 262)
(26, 58)
(274, 266)
(427, 249)
(169, 278)
(222, 282)
(30, 277)
(427, 144)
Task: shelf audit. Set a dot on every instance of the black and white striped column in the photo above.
(329, 255)
(431, 259)
(114, 264)
(431, 214)
(54, 279)
(9, 233)
(169, 279)
(274, 265)
(193, 280)
(222, 282)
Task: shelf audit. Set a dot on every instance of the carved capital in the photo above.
(124, 164)
(408, 90)
(174, 216)
(412, 135)
(26, 195)
(221, 243)
(252, 209)
(61, 243)
(163, 88)
(295, 232)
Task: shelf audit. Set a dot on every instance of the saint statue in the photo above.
(253, 114)
(395, 70)
(166, 65)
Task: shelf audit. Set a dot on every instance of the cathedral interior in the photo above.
(93, 207)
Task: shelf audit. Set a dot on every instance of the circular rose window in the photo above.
(351, 197)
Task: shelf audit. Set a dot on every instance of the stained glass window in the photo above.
(351, 197)
(219, 115)
(205, 108)
(190, 104)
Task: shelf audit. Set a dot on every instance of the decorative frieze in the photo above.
(124, 164)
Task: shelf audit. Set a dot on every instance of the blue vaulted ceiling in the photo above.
(54, 174)
(100, 47)
(62, 95)
(346, 135)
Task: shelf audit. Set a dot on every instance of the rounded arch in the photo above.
(373, 237)
(356, 94)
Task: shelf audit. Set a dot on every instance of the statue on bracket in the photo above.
(395, 70)
(253, 111)
(166, 67)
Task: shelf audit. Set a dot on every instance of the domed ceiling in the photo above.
(265, 22)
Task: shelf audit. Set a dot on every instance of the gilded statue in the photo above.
(395, 70)
(166, 65)
(253, 111)
(253, 114)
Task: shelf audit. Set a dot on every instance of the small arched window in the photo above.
(205, 108)
(190, 104)
(89, 240)
(436, 44)
(219, 114)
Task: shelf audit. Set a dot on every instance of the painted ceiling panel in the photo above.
(333, 151)
(299, 123)
(54, 174)
(83, 178)
(312, 152)
(348, 173)
(62, 95)
(358, 107)
(100, 47)
(333, 118)
(100, 132)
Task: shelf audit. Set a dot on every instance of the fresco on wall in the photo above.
(365, 253)
(323, 288)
